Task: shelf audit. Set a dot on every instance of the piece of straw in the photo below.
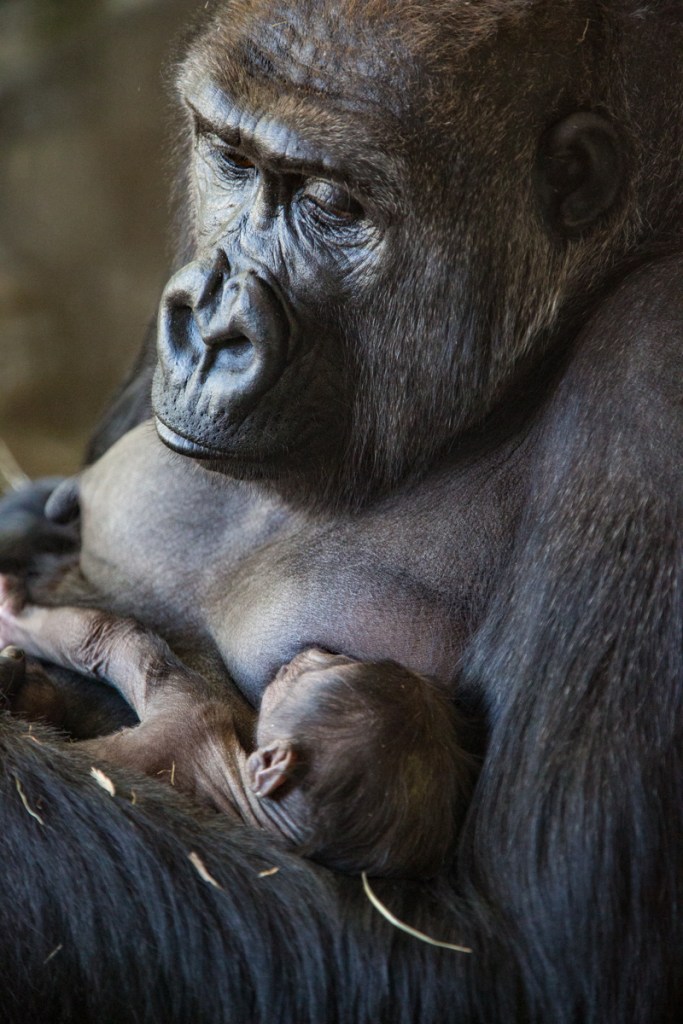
(103, 780)
(385, 912)
(53, 954)
(12, 475)
(29, 809)
(202, 871)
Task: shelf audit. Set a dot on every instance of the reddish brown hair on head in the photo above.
(382, 772)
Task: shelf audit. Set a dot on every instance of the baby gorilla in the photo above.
(356, 765)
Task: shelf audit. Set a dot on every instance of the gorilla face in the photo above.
(292, 216)
(375, 261)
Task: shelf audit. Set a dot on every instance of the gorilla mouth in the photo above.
(185, 445)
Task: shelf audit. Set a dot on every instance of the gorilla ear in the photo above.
(580, 171)
(269, 767)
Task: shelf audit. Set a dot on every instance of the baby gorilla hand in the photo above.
(25, 689)
(12, 600)
(59, 635)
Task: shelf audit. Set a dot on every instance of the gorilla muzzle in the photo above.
(224, 339)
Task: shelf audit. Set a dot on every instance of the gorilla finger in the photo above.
(63, 505)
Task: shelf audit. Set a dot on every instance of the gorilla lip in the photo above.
(184, 445)
(196, 450)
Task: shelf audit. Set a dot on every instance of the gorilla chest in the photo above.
(344, 600)
(230, 572)
(375, 587)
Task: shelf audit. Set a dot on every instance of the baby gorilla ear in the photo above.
(269, 767)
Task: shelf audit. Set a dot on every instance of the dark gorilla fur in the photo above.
(518, 351)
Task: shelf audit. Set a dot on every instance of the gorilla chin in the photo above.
(249, 452)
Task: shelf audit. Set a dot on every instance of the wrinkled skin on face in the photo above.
(255, 368)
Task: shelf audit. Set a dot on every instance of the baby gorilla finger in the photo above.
(12, 593)
(12, 673)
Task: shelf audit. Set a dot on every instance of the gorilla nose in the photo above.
(232, 328)
(242, 313)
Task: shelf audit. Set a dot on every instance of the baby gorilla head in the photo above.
(364, 763)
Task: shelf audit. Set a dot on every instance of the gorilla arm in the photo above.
(26, 532)
(582, 660)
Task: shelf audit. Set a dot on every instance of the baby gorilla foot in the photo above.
(26, 690)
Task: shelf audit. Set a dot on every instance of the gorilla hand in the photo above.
(26, 531)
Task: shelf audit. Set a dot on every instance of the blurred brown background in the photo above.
(84, 209)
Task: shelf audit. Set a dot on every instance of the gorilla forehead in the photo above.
(363, 43)
(347, 21)
(390, 55)
(304, 47)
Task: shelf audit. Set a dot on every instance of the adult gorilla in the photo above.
(433, 276)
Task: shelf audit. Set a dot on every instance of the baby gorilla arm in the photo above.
(186, 735)
(115, 650)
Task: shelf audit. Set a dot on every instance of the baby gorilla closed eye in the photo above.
(356, 764)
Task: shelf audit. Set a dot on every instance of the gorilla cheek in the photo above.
(224, 339)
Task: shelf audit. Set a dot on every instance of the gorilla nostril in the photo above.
(182, 327)
(232, 351)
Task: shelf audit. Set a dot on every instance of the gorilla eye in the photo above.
(229, 161)
(330, 203)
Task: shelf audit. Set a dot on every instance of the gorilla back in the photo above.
(432, 250)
